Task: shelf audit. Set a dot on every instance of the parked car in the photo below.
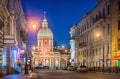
(46, 67)
(82, 69)
(39, 67)
(70, 68)
(64, 68)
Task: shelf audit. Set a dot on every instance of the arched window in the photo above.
(45, 42)
(39, 43)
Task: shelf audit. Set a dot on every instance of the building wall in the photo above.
(11, 14)
(115, 23)
(92, 49)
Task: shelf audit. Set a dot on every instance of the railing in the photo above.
(99, 19)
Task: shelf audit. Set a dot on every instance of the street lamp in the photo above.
(98, 35)
(34, 26)
(26, 65)
(33, 48)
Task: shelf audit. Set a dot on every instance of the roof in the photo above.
(45, 32)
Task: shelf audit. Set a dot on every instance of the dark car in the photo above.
(39, 67)
(46, 67)
(70, 68)
(82, 69)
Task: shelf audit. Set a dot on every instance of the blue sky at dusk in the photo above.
(61, 15)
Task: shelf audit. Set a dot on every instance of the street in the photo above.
(63, 74)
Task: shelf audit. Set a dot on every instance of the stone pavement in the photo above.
(13, 76)
(21, 76)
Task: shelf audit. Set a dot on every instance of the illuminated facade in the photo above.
(13, 32)
(44, 53)
(98, 39)
(72, 45)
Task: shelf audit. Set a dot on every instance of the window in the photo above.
(119, 6)
(90, 52)
(118, 44)
(99, 51)
(108, 48)
(108, 10)
(108, 29)
(93, 52)
(118, 24)
(51, 43)
(45, 42)
(99, 15)
(96, 17)
(93, 19)
(96, 51)
(39, 44)
(87, 52)
(12, 5)
(8, 28)
(87, 25)
(103, 13)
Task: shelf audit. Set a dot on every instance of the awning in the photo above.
(115, 58)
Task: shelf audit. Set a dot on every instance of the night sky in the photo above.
(61, 15)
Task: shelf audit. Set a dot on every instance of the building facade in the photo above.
(13, 32)
(73, 33)
(97, 39)
(43, 53)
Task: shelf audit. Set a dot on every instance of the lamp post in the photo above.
(26, 67)
(98, 35)
(34, 26)
(33, 65)
(103, 59)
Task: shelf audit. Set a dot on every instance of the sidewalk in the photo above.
(31, 76)
(13, 76)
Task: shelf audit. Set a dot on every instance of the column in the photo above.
(50, 62)
(1, 45)
(59, 62)
(7, 60)
(65, 62)
(44, 61)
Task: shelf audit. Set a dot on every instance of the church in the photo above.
(44, 53)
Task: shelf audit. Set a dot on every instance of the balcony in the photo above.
(98, 20)
(23, 34)
(9, 40)
(81, 45)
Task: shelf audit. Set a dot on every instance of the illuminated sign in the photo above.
(22, 56)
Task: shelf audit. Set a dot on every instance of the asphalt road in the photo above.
(63, 74)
